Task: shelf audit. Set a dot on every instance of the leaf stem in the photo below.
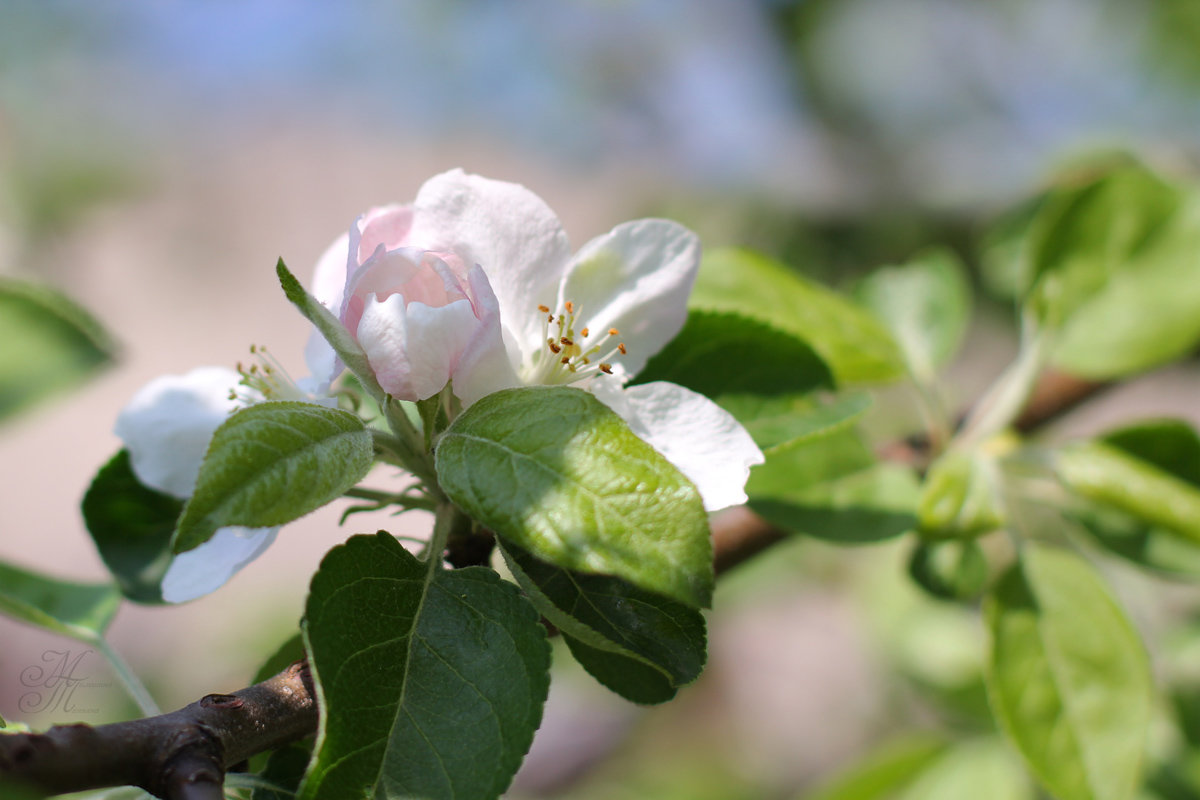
(136, 689)
(1001, 404)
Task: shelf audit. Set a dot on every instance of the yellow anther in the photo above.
(569, 306)
(613, 332)
(584, 333)
(621, 347)
(543, 309)
(606, 368)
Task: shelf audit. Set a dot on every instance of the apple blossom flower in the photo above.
(167, 427)
(545, 316)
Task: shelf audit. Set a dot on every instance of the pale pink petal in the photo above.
(485, 365)
(504, 228)
(385, 226)
(700, 438)
(206, 568)
(413, 348)
(637, 279)
(168, 424)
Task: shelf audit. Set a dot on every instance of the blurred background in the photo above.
(156, 158)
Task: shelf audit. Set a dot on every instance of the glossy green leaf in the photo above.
(726, 353)
(832, 487)
(556, 472)
(271, 463)
(431, 681)
(926, 304)
(50, 344)
(856, 346)
(1109, 262)
(641, 645)
(883, 773)
(131, 525)
(346, 346)
(80, 610)
(961, 497)
(981, 769)
(1068, 678)
(951, 570)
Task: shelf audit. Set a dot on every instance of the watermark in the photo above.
(55, 683)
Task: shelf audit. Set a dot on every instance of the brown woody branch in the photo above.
(183, 755)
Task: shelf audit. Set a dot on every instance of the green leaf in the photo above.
(79, 610)
(132, 526)
(952, 570)
(720, 354)
(883, 773)
(285, 769)
(272, 463)
(961, 497)
(832, 487)
(50, 344)
(926, 304)
(1068, 678)
(1110, 263)
(776, 423)
(1154, 450)
(851, 341)
(284, 656)
(345, 345)
(556, 472)
(983, 769)
(639, 644)
(1111, 477)
(431, 681)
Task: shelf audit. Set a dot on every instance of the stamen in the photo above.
(584, 333)
(543, 309)
(613, 332)
(606, 368)
(569, 306)
(621, 347)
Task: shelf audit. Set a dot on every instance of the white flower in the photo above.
(592, 319)
(167, 427)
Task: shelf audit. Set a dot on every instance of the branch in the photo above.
(183, 755)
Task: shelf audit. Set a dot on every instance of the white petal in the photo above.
(504, 228)
(413, 348)
(168, 424)
(206, 568)
(485, 365)
(699, 437)
(637, 279)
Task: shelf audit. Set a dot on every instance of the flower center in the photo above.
(571, 353)
(266, 377)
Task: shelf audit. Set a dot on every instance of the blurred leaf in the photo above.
(284, 656)
(79, 610)
(1166, 453)
(554, 471)
(960, 498)
(951, 570)
(1111, 477)
(926, 303)
(777, 423)
(285, 769)
(431, 680)
(982, 769)
(1068, 677)
(880, 775)
(132, 526)
(851, 341)
(833, 488)
(641, 645)
(1110, 262)
(271, 463)
(50, 344)
(728, 353)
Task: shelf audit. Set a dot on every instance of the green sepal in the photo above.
(961, 497)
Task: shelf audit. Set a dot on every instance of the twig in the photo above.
(182, 755)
